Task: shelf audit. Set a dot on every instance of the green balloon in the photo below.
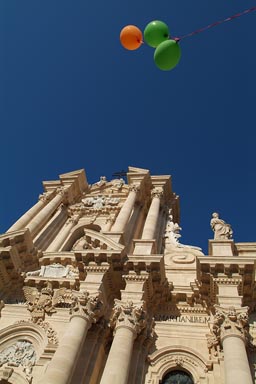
(167, 55)
(155, 33)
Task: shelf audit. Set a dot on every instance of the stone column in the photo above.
(126, 210)
(41, 218)
(152, 216)
(231, 326)
(60, 370)
(129, 321)
(31, 213)
(63, 234)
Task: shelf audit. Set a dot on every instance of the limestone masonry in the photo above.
(97, 288)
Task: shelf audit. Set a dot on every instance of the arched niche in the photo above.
(178, 358)
(78, 232)
(21, 346)
(24, 331)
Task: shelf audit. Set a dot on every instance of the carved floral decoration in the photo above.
(227, 322)
(90, 307)
(129, 315)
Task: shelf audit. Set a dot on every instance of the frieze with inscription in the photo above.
(182, 318)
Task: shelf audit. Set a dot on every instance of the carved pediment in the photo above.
(92, 240)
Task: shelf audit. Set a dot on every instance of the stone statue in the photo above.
(221, 229)
(172, 231)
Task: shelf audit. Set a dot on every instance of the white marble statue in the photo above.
(221, 229)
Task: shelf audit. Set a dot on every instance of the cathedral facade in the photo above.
(97, 288)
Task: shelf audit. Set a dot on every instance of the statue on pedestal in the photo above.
(222, 230)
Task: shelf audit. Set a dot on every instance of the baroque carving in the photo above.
(55, 270)
(20, 354)
(222, 230)
(89, 307)
(45, 197)
(172, 229)
(40, 303)
(49, 331)
(227, 322)
(98, 202)
(157, 192)
(86, 242)
(172, 243)
(117, 184)
(129, 315)
(102, 181)
(134, 188)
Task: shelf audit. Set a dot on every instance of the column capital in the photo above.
(45, 197)
(87, 306)
(157, 192)
(231, 322)
(134, 188)
(128, 315)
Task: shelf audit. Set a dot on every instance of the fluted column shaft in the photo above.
(61, 367)
(29, 215)
(41, 218)
(125, 211)
(63, 234)
(152, 218)
(236, 363)
(118, 363)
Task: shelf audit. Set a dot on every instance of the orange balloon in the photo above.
(131, 37)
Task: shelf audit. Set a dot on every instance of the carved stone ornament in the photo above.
(99, 202)
(118, 183)
(134, 188)
(56, 270)
(227, 322)
(45, 197)
(49, 331)
(21, 353)
(157, 192)
(172, 229)
(40, 303)
(222, 230)
(89, 307)
(129, 315)
(172, 237)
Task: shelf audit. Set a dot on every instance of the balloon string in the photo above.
(215, 24)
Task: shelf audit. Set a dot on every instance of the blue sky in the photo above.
(71, 97)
